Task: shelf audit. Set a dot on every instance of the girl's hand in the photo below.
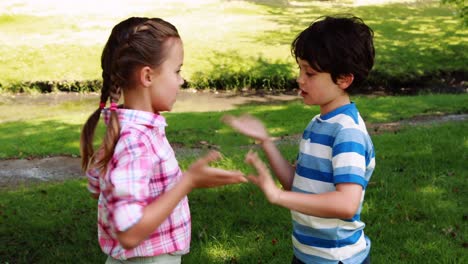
(263, 180)
(247, 125)
(201, 175)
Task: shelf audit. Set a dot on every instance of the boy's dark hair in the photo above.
(338, 45)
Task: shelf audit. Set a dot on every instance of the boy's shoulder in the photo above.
(346, 115)
(346, 119)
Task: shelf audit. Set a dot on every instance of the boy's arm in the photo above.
(252, 127)
(283, 170)
(342, 203)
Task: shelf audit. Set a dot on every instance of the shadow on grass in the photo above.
(412, 41)
(39, 138)
(53, 223)
(418, 189)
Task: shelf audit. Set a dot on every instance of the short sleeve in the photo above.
(349, 157)
(132, 165)
(93, 180)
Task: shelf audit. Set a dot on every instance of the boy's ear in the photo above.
(345, 80)
(145, 76)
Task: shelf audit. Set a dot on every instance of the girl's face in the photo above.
(318, 88)
(167, 79)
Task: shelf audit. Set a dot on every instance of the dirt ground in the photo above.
(14, 173)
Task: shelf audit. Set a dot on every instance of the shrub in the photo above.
(54, 86)
(230, 71)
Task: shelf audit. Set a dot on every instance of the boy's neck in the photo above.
(334, 104)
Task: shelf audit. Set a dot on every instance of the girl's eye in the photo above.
(309, 74)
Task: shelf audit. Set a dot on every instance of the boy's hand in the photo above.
(263, 180)
(247, 125)
(201, 175)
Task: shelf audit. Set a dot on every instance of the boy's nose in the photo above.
(299, 79)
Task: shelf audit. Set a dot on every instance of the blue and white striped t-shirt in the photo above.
(335, 148)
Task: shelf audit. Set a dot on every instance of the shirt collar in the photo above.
(342, 109)
(130, 116)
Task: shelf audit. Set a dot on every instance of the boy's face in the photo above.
(318, 88)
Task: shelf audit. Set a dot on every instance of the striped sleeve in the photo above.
(349, 157)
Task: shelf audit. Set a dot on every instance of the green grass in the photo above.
(31, 130)
(415, 207)
(236, 44)
(414, 210)
(415, 204)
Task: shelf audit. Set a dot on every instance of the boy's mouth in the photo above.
(301, 92)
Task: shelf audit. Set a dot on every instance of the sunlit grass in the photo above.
(431, 190)
(412, 39)
(379, 116)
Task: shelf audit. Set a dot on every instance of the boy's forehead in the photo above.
(303, 63)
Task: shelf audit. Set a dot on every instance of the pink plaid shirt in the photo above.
(142, 168)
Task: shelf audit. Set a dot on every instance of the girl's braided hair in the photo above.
(134, 43)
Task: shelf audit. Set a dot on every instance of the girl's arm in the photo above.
(93, 182)
(153, 215)
(198, 175)
(342, 203)
(252, 127)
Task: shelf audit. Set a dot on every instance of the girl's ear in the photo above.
(345, 80)
(145, 76)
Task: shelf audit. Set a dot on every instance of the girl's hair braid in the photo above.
(133, 43)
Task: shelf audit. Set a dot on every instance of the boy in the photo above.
(325, 190)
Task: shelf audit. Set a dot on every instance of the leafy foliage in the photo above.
(461, 7)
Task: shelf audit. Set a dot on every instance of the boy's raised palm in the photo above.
(202, 175)
(264, 179)
(247, 125)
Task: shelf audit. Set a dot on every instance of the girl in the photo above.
(143, 213)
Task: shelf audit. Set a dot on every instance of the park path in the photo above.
(18, 172)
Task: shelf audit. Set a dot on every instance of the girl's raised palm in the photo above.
(201, 175)
(247, 125)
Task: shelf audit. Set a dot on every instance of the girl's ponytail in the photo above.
(112, 131)
(87, 137)
(89, 128)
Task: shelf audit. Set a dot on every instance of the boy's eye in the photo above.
(309, 74)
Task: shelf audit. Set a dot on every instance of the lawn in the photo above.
(415, 207)
(228, 44)
(414, 210)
